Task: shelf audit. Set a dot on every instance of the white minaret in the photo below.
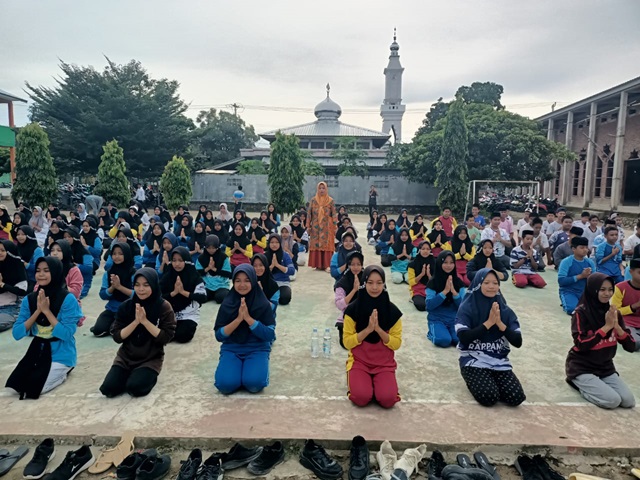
(392, 108)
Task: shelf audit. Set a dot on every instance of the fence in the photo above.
(214, 188)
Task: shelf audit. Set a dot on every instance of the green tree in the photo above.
(488, 93)
(87, 108)
(175, 183)
(113, 185)
(313, 168)
(286, 176)
(352, 157)
(219, 137)
(5, 160)
(452, 166)
(252, 167)
(36, 179)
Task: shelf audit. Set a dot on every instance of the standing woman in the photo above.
(445, 292)
(239, 248)
(419, 272)
(256, 234)
(418, 230)
(266, 281)
(347, 287)
(372, 334)
(183, 288)
(144, 324)
(462, 247)
(29, 252)
(215, 269)
(91, 241)
(81, 257)
(486, 327)
(321, 226)
(245, 325)
(281, 266)
(13, 283)
(401, 253)
(597, 328)
(373, 199)
(437, 238)
(5, 224)
(51, 317)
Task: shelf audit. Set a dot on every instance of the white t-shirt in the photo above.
(498, 247)
(591, 236)
(140, 196)
(631, 242)
(583, 226)
(540, 243)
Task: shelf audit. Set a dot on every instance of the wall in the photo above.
(209, 187)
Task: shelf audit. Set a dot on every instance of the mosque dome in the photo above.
(327, 109)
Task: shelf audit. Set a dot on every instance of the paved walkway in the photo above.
(307, 397)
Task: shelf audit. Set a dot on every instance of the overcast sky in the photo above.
(282, 53)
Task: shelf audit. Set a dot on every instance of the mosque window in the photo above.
(317, 145)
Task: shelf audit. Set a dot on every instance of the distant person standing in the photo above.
(321, 226)
(373, 199)
(238, 195)
(140, 195)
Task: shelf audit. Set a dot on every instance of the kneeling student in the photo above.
(573, 272)
(420, 271)
(627, 300)
(215, 268)
(525, 263)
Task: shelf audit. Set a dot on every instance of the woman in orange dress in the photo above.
(321, 226)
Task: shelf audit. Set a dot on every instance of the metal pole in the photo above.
(466, 204)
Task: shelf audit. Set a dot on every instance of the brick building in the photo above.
(604, 131)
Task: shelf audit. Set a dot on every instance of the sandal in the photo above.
(583, 476)
(114, 456)
(483, 462)
(8, 460)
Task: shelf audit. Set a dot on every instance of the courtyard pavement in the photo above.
(307, 397)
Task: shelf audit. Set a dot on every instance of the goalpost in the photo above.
(471, 191)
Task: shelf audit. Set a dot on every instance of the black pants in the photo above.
(285, 295)
(102, 328)
(385, 260)
(372, 207)
(419, 302)
(185, 330)
(217, 295)
(137, 383)
(490, 386)
(340, 327)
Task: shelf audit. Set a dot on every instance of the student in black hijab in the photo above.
(202, 210)
(13, 283)
(403, 220)
(239, 248)
(215, 269)
(81, 257)
(221, 231)
(19, 220)
(437, 238)
(420, 271)
(153, 245)
(196, 241)
(56, 232)
(257, 235)
(265, 280)
(347, 287)
(209, 222)
(418, 230)
(264, 222)
(29, 252)
(90, 240)
(484, 258)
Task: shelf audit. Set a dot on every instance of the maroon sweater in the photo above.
(593, 351)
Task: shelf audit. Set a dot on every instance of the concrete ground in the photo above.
(307, 397)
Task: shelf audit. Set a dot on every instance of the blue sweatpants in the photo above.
(236, 370)
(569, 301)
(442, 334)
(87, 278)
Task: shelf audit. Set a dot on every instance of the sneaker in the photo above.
(129, 466)
(239, 456)
(74, 462)
(386, 458)
(359, 459)
(154, 468)
(316, 459)
(525, 467)
(271, 456)
(190, 466)
(435, 465)
(409, 460)
(211, 468)
(37, 467)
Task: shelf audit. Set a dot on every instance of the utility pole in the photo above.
(235, 107)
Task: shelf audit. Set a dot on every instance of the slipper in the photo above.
(635, 472)
(114, 456)
(464, 461)
(483, 462)
(523, 461)
(583, 476)
(8, 461)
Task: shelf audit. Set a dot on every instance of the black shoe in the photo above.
(271, 456)
(129, 466)
(436, 465)
(37, 467)
(154, 468)
(239, 456)
(545, 469)
(525, 467)
(316, 459)
(74, 462)
(359, 459)
(211, 468)
(190, 466)
(468, 473)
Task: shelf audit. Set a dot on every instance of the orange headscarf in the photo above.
(322, 200)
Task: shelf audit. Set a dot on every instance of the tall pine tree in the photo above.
(452, 166)
(36, 179)
(113, 185)
(286, 175)
(175, 183)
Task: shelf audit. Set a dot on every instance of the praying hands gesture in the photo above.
(463, 250)
(42, 303)
(489, 264)
(165, 258)
(212, 265)
(404, 251)
(356, 283)
(183, 235)
(449, 288)
(373, 326)
(494, 318)
(236, 247)
(156, 247)
(275, 263)
(612, 322)
(426, 270)
(585, 273)
(115, 281)
(253, 237)
(83, 241)
(197, 248)
(178, 289)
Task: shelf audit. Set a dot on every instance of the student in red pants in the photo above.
(525, 263)
(372, 333)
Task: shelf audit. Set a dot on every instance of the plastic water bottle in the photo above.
(315, 344)
(326, 343)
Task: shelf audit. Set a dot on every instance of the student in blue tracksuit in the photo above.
(117, 286)
(81, 257)
(127, 236)
(29, 252)
(153, 244)
(245, 326)
(445, 292)
(609, 255)
(91, 241)
(169, 242)
(401, 253)
(385, 240)
(281, 266)
(265, 280)
(573, 273)
(214, 267)
(339, 259)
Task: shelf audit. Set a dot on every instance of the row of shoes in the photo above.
(75, 462)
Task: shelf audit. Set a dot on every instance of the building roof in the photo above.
(607, 100)
(6, 97)
(323, 128)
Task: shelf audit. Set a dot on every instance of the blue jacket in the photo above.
(612, 266)
(259, 341)
(148, 256)
(64, 350)
(95, 250)
(31, 268)
(569, 269)
(112, 305)
(443, 313)
(279, 276)
(401, 265)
